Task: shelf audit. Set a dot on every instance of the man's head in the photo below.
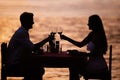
(26, 19)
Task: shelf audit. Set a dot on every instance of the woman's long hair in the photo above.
(97, 25)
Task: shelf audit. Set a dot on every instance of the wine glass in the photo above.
(53, 30)
(60, 30)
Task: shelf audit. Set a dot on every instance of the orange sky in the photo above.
(60, 7)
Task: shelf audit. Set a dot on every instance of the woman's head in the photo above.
(95, 23)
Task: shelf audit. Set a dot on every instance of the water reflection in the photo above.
(9, 24)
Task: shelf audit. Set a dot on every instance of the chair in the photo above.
(110, 63)
(109, 77)
(4, 70)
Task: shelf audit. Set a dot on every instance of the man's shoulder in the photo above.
(20, 32)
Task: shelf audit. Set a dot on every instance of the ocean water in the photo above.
(75, 28)
(72, 17)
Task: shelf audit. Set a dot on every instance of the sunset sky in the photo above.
(60, 7)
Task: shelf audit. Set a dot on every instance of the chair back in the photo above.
(110, 62)
(4, 54)
(3, 60)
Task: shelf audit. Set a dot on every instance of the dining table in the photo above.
(63, 59)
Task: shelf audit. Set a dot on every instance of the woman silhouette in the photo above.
(97, 45)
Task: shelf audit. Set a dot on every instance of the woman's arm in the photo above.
(76, 43)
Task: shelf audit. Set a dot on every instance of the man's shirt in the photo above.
(19, 46)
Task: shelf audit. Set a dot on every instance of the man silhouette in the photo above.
(20, 50)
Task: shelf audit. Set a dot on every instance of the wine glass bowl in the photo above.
(60, 30)
(60, 33)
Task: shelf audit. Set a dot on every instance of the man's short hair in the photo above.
(25, 17)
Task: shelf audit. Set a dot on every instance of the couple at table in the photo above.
(20, 50)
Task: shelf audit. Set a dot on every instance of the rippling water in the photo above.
(75, 28)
